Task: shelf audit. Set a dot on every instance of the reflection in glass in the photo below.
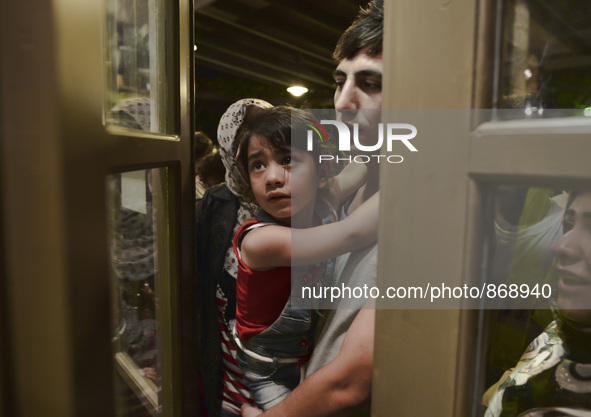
(136, 315)
(527, 222)
(553, 376)
(545, 57)
(136, 93)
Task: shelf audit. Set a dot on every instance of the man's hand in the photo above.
(340, 386)
(250, 411)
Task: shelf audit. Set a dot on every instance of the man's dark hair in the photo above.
(366, 33)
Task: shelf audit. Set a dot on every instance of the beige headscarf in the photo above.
(227, 129)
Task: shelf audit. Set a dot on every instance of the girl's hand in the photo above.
(347, 182)
(248, 410)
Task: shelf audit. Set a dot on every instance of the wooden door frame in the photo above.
(56, 155)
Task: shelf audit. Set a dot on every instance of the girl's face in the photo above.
(573, 261)
(276, 175)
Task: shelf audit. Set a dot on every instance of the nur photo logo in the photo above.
(391, 133)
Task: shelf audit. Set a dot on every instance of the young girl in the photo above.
(272, 329)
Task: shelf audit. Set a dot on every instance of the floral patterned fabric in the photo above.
(543, 353)
(553, 372)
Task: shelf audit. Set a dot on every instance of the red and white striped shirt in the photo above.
(235, 391)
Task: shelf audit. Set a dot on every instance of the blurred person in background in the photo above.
(553, 377)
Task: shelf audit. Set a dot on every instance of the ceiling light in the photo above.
(528, 74)
(297, 90)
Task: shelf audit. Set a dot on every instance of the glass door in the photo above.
(98, 208)
(481, 176)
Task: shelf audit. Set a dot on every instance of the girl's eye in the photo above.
(338, 84)
(567, 226)
(286, 161)
(255, 166)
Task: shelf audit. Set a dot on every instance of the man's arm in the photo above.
(340, 386)
(346, 183)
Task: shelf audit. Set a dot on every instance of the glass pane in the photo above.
(139, 265)
(545, 57)
(527, 222)
(137, 66)
(539, 346)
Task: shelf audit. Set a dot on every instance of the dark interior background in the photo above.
(257, 48)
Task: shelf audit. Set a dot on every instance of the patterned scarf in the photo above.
(227, 129)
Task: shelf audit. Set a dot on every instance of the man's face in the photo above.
(358, 95)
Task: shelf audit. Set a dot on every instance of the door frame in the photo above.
(56, 154)
(425, 360)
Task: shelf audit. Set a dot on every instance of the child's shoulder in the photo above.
(263, 245)
(246, 228)
(262, 220)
